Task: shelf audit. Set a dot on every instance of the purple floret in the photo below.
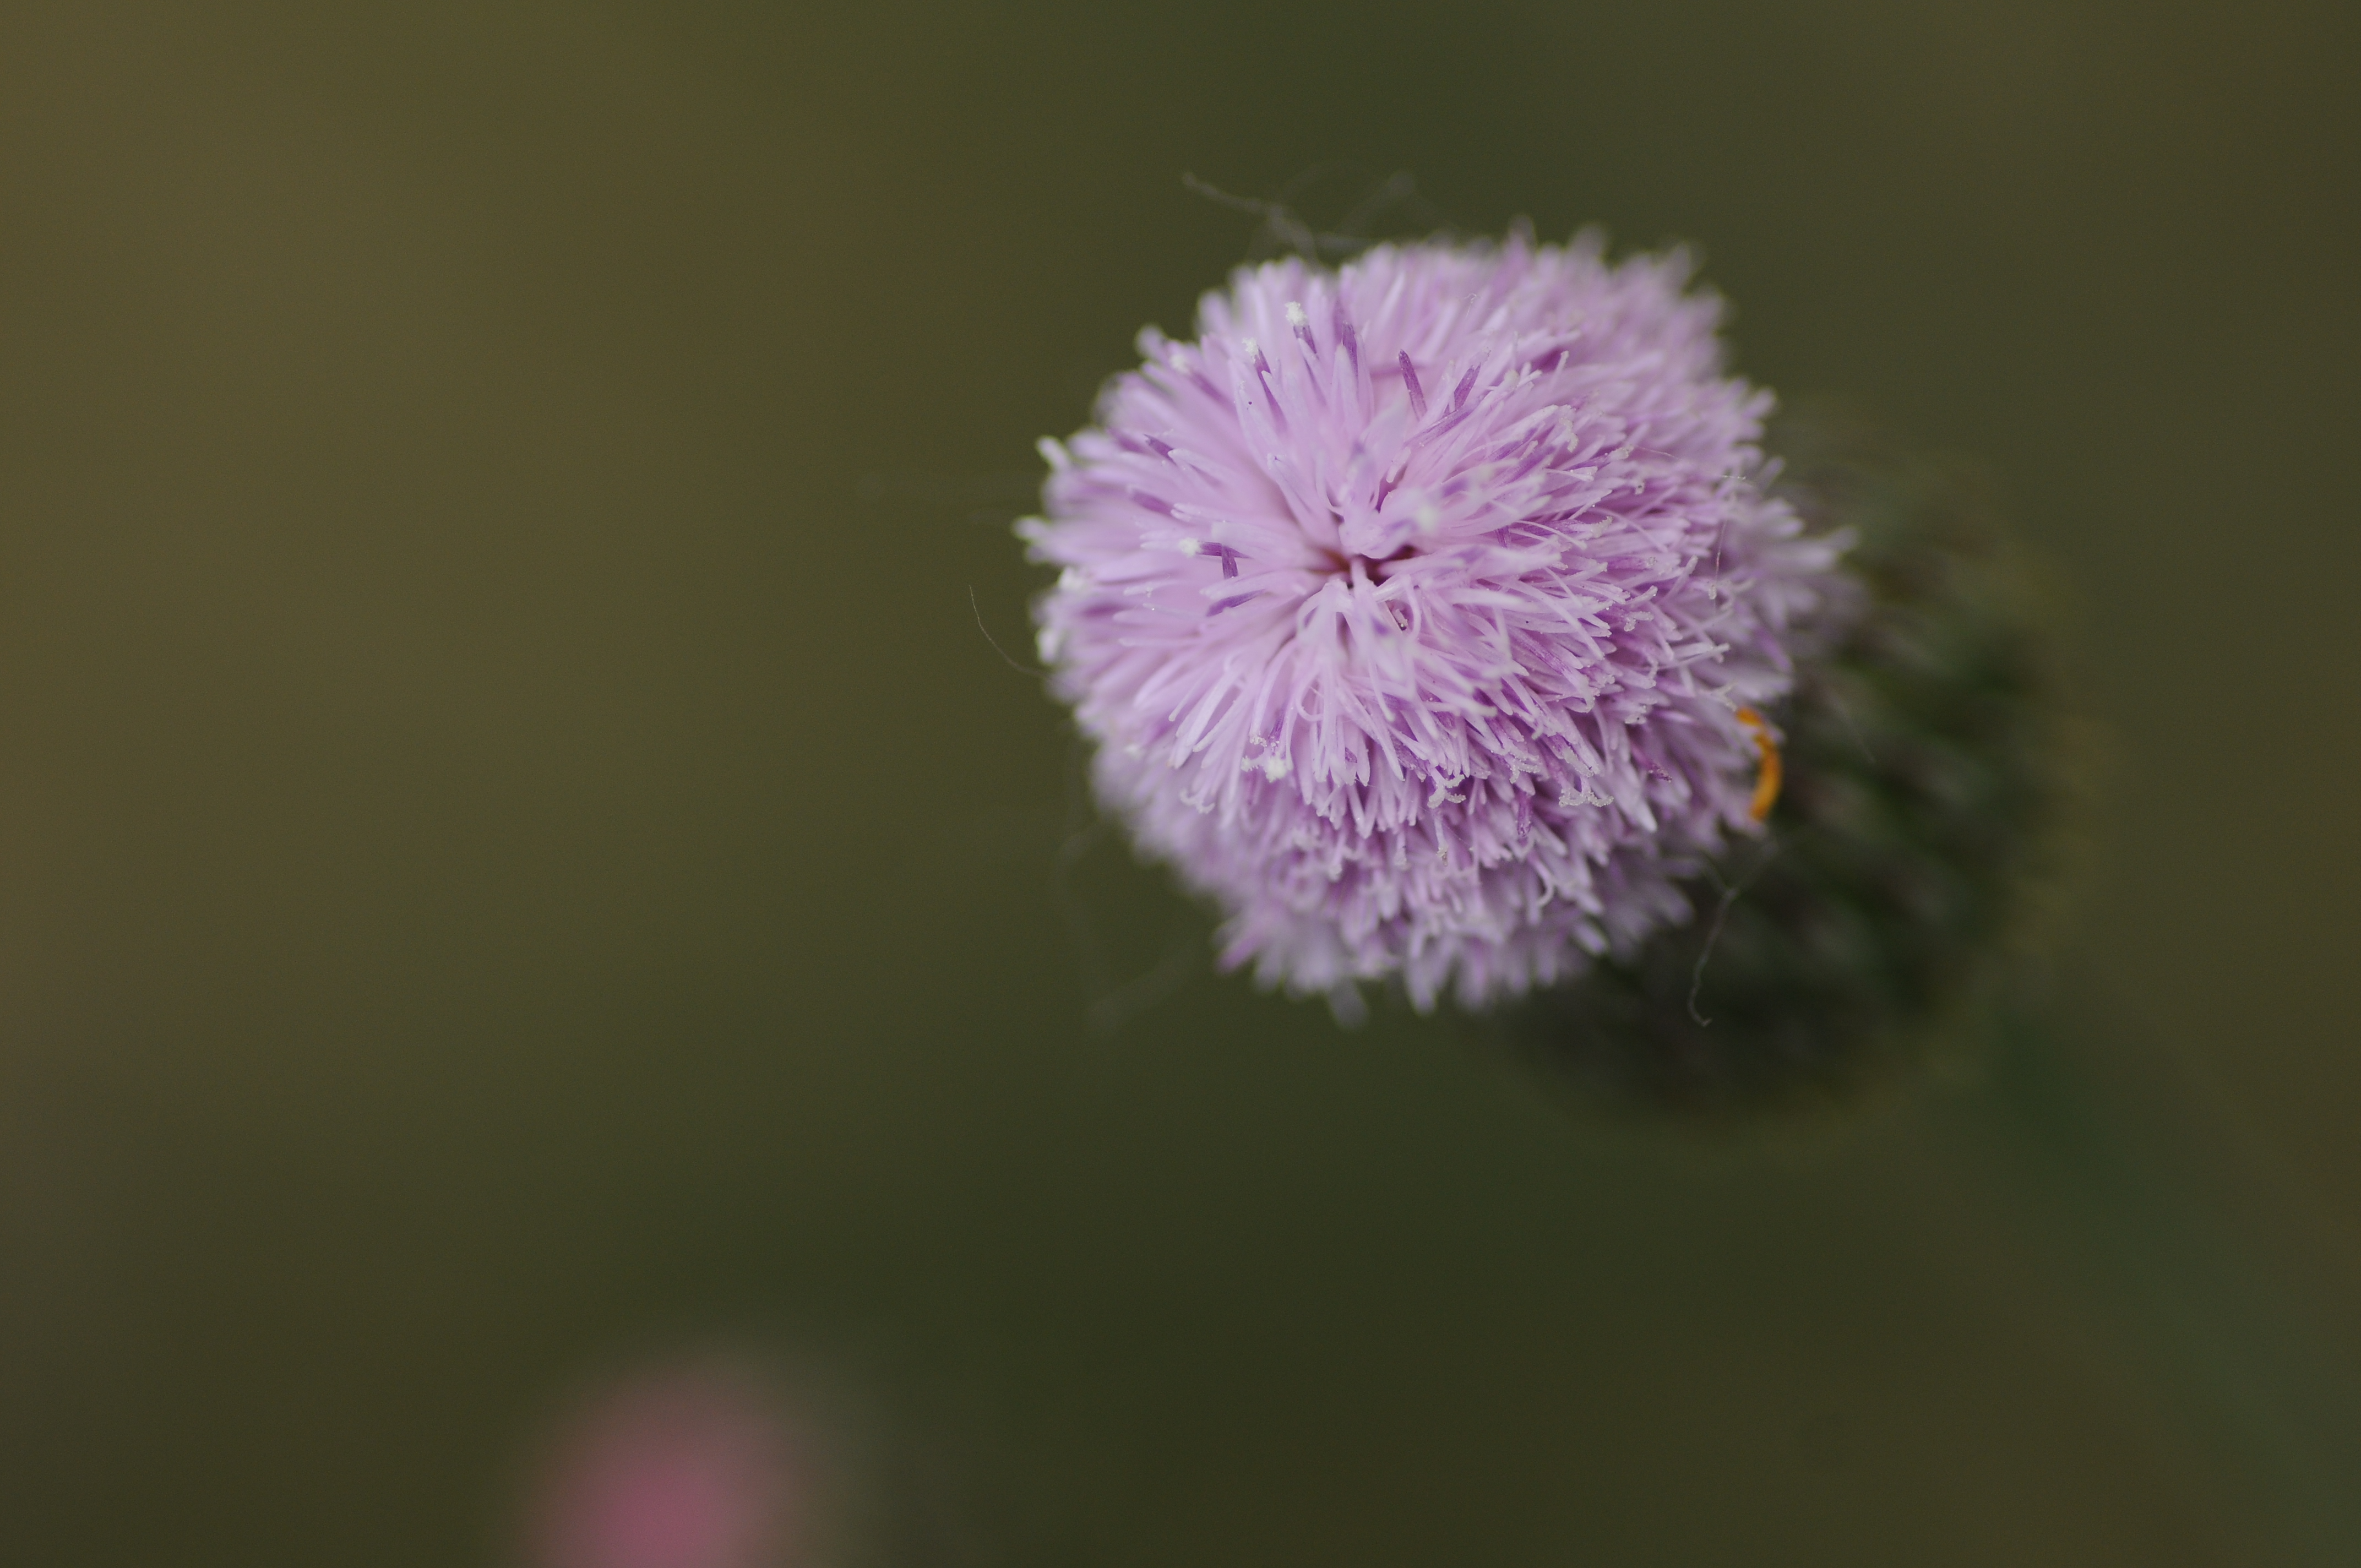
(1410, 607)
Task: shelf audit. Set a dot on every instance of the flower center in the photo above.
(1340, 563)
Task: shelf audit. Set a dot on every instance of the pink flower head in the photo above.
(1412, 606)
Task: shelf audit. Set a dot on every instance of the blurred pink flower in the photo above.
(687, 1467)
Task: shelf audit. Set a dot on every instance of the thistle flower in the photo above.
(1423, 612)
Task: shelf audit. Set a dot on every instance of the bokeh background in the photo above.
(517, 861)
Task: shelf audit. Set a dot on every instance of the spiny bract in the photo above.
(1412, 605)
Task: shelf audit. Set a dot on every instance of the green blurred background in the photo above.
(515, 856)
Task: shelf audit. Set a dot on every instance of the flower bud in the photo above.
(1921, 787)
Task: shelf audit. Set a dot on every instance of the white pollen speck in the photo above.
(1190, 544)
(1295, 316)
(1251, 346)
